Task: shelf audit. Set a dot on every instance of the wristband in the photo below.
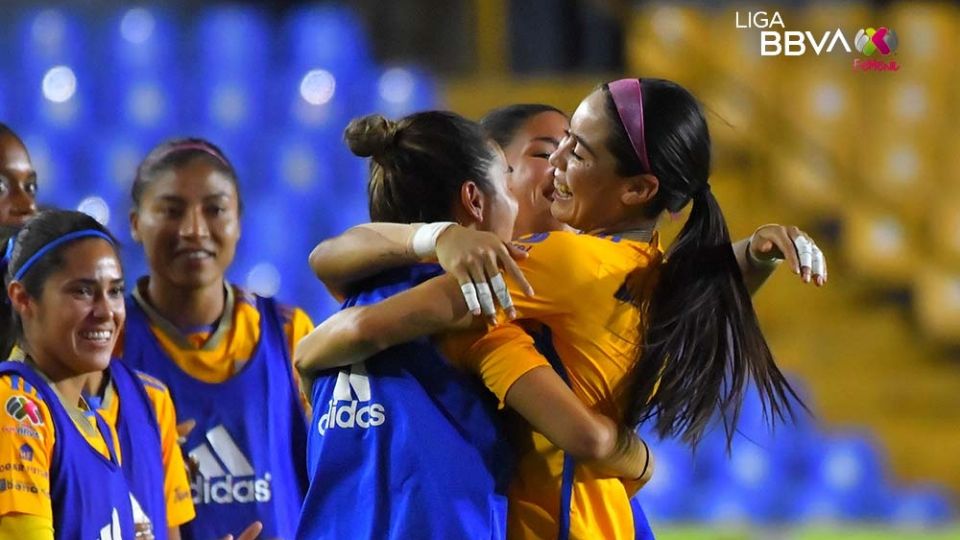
(762, 264)
(646, 463)
(424, 241)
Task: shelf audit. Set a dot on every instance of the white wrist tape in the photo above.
(424, 241)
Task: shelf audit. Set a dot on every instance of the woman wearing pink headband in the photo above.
(639, 334)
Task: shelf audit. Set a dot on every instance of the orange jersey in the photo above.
(176, 485)
(26, 447)
(216, 356)
(589, 325)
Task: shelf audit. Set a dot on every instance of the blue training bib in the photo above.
(88, 491)
(404, 445)
(250, 436)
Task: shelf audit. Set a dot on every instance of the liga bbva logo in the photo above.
(226, 475)
(352, 407)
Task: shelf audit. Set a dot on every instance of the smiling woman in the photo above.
(18, 180)
(65, 286)
(528, 134)
(212, 343)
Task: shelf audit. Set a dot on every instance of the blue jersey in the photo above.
(89, 493)
(250, 437)
(640, 524)
(141, 453)
(404, 445)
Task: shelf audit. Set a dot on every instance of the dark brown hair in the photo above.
(419, 163)
(176, 153)
(38, 232)
(702, 342)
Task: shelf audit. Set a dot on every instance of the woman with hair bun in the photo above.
(640, 335)
(407, 443)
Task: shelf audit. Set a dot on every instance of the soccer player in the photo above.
(18, 180)
(407, 445)
(638, 337)
(66, 473)
(529, 134)
(224, 353)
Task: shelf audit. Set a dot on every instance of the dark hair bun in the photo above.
(371, 136)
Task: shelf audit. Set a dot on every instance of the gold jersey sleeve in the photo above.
(589, 324)
(26, 450)
(176, 485)
(499, 357)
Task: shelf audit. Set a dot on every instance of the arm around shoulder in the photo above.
(357, 333)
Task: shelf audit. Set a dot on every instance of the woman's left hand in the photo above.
(773, 241)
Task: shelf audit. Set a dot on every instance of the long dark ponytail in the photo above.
(702, 342)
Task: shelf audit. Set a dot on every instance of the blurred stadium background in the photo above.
(861, 160)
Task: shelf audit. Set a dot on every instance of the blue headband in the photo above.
(86, 233)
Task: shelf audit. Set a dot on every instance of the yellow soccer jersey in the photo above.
(26, 447)
(581, 301)
(216, 356)
(176, 485)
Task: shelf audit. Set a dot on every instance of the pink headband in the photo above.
(629, 101)
(194, 146)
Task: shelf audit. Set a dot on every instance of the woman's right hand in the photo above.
(475, 259)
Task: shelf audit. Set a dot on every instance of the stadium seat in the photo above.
(401, 90)
(929, 27)
(59, 169)
(145, 105)
(665, 40)
(936, 295)
(665, 497)
(849, 467)
(50, 37)
(899, 171)
(878, 245)
(942, 222)
(113, 167)
(233, 46)
(320, 98)
(824, 108)
(233, 40)
(808, 179)
(326, 35)
(921, 507)
(142, 40)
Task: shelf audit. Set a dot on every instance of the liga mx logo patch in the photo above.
(870, 41)
(21, 408)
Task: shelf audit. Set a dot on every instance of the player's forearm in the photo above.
(362, 251)
(628, 458)
(336, 342)
(551, 407)
(357, 333)
(753, 276)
